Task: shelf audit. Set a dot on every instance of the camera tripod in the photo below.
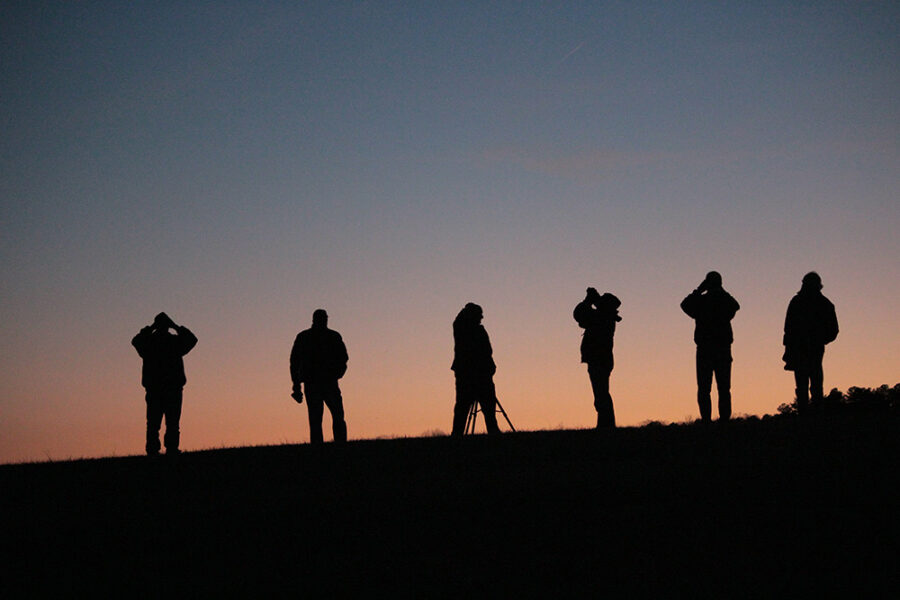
(476, 408)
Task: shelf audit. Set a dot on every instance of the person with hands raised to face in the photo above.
(162, 345)
(598, 316)
(712, 309)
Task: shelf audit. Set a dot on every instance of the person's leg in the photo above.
(723, 383)
(487, 398)
(154, 420)
(704, 383)
(172, 409)
(816, 377)
(335, 403)
(606, 416)
(462, 406)
(315, 406)
(801, 386)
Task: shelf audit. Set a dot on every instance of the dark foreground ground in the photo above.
(755, 508)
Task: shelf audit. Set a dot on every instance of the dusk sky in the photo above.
(239, 165)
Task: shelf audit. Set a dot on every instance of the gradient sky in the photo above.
(239, 165)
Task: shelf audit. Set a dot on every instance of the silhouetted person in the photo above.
(163, 377)
(598, 315)
(811, 322)
(713, 309)
(318, 360)
(473, 364)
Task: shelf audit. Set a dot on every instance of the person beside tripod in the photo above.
(473, 365)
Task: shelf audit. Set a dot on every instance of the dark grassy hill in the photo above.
(750, 508)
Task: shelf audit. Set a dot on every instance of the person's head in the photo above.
(472, 312)
(713, 281)
(320, 318)
(610, 301)
(811, 282)
(162, 322)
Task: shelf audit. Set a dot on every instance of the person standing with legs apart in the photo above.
(163, 378)
(598, 316)
(318, 360)
(810, 324)
(712, 308)
(473, 364)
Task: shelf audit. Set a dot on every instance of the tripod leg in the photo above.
(505, 416)
(470, 420)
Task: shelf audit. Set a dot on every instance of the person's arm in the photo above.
(186, 338)
(584, 313)
(831, 324)
(141, 339)
(733, 306)
(489, 359)
(690, 304)
(296, 371)
(343, 356)
(789, 323)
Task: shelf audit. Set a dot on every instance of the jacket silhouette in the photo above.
(810, 324)
(163, 378)
(318, 359)
(473, 365)
(598, 316)
(712, 309)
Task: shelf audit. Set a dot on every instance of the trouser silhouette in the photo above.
(318, 395)
(809, 377)
(714, 360)
(599, 374)
(469, 390)
(163, 403)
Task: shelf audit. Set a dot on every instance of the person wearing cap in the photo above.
(598, 316)
(712, 309)
(474, 368)
(318, 360)
(162, 345)
(810, 324)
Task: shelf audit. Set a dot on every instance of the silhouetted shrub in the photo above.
(856, 399)
(787, 408)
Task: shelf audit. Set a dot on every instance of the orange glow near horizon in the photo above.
(401, 385)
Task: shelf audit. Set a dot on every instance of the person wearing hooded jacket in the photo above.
(810, 324)
(598, 316)
(474, 368)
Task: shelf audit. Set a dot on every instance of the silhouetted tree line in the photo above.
(856, 399)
